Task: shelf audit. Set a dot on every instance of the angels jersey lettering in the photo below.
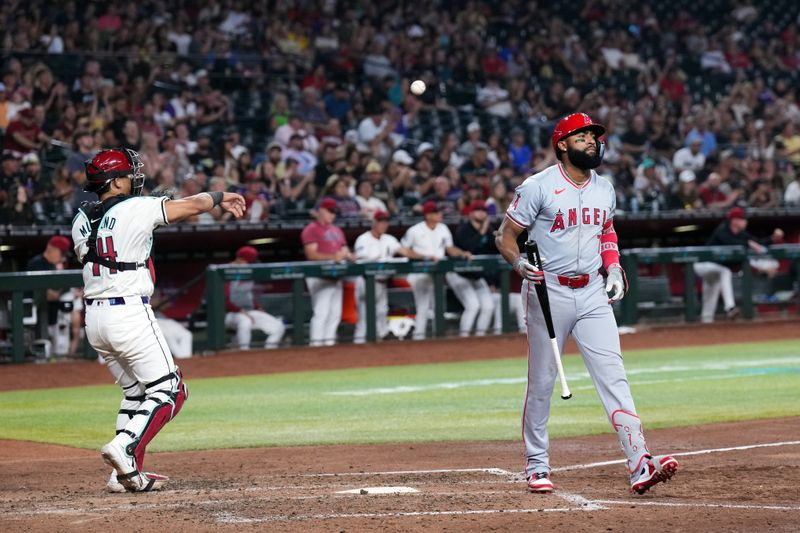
(565, 219)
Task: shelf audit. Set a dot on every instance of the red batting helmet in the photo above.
(572, 124)
(114, 163)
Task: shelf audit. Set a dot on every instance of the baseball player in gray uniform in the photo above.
(569, 210)
(113, 238)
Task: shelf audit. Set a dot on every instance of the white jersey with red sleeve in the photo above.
(125, 235)
(565, 219)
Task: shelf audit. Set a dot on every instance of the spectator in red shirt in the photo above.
(110, 21)
(23, 135)
(672, 84)
(492, 64)
(316, 78)
(713, 195)
(322, 241)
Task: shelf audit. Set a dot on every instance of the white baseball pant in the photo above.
(716, 279)
(381, 310)
(476, 297)
(179, 338)
(326, 302)
(422, 287)
(130, 340)
(514, 306)
(244, 322)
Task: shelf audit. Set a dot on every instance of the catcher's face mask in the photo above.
(111, 164)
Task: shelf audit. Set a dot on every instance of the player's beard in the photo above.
(582, 160)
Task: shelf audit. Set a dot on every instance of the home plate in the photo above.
(379, 490)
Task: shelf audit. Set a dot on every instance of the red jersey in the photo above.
(329, 239)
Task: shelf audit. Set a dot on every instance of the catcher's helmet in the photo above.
(114, 163)
(574, 123)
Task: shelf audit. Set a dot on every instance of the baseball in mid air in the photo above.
(418, 87)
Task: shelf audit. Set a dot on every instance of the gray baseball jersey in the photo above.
(567, 220)
(564, 218)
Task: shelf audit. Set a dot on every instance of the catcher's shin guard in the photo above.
(163, 400)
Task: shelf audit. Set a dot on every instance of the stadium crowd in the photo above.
(293, 102)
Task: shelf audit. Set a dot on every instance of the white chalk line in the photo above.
(682, 454)
(712, 377)
(493, 471)
(577, 499)
(700, 505)
(578, 376)
(229, 518)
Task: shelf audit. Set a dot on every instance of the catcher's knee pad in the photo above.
(162, 401)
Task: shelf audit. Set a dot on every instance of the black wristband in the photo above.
(216, 197)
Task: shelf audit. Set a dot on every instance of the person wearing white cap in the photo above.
(468, 147)
(424, 147)
(402, 157)
(684, 193)
(400, 176)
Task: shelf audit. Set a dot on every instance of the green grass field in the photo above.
(479, 400)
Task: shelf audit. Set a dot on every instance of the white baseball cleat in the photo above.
(115, 487)
(115, 455)
(654, 470)
(540, 483)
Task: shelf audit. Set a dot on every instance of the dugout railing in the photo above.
(687, 256)
(297, 272)
(15, 286)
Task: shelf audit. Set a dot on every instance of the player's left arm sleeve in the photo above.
(609, 247)
(609, 244)
(81, 229)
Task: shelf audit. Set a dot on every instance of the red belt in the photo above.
(577, 282)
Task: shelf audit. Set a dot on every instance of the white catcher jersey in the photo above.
(564, 218)
(125, 235)
(367, 247)
(428, 242)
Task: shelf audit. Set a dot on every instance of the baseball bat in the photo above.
(532, 251)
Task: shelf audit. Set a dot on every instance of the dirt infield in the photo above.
(459, 487)
(733, 477)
